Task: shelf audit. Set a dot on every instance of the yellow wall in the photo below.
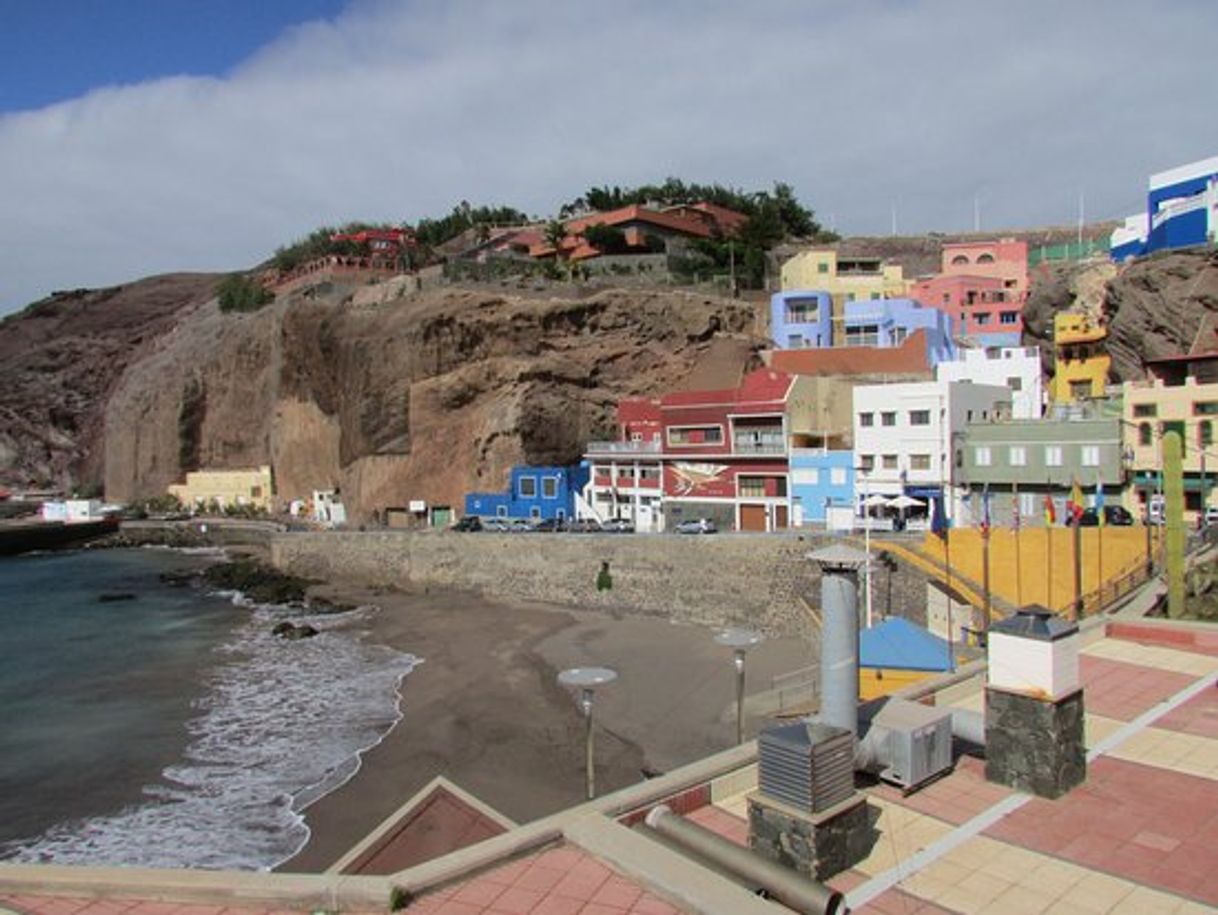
(1036, 566)
(1071, 329)
(884, 681)
(804, 271)
(1184, 403)
(228, 487)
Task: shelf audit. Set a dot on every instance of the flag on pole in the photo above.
(938, 518)
(1050, 511)
(985, 510)
(1015, 507)
(1074, 505)
(1099, 500)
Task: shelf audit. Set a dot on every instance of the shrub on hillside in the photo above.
(237, 292)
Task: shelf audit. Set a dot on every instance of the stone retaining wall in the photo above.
(757, 581)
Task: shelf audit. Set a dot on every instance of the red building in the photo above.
(983, 286)
(720, 454)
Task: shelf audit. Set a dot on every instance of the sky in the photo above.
(149, 136)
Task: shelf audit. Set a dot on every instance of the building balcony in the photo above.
(624, 448)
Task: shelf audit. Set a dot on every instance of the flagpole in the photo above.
(1049, 519)
(1018, 563)
(985, 561)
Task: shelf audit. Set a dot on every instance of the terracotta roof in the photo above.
(910, 358)
(764, 386)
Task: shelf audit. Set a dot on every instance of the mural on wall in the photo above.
(698, 478)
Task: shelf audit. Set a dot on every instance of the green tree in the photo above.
(238, 292)
(606, 239)
(554, 233)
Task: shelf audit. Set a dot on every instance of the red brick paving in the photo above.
(560, 881)
(1198, 716)
(1148, 825)
(1116, 689)
(33, 904)
(731, 827)
(1198, 641)
(955, 799)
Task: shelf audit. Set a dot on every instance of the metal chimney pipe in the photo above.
(791, 888)
(839, 671)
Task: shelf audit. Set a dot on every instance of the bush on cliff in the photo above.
(238, 292)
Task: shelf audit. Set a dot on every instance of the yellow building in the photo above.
(846, 279)
(1081, 356)
(226, 487)
(896, 653)
(1180, 395)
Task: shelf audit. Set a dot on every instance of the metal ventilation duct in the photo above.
(808, 765)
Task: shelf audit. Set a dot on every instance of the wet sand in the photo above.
(484, 709)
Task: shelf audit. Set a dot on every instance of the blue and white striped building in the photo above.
(1181, 211)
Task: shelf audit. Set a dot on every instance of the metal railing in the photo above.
(624, 448)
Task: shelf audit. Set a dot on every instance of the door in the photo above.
(752, 518)
(780, 518)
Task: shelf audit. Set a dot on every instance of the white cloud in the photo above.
(398, 111)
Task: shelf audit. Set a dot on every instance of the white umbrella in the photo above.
(904, 501)
(876, 501)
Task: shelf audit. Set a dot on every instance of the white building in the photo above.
(1016, 368)
(906, 436)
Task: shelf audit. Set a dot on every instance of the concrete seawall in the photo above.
(759, 581)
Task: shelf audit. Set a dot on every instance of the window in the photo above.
(802, 311)
(919, 417)
(1091, 455)
(890, 462)
(982, 456)
(795, 341)
(805, 476)
(535, 513)
(867, 463)
(837, 476)
(867, 419)
(849, 296)
(898, 335)
(649, 473)
(549, 487)
(528, 487)
(888, 418)
(501, 511)
(1053, 455)
(1015, 383)
(1148, 409)
(1018, 456)
(1205, 408)
(695, 435)
(1008, 318)
(1205, 433)
(986, 258)
(960, 259)
(919, 462)
(874, 296)
(1144, 434)
(752, 487)
(981, 317)
(822, 267)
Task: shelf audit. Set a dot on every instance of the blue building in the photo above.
(803, 319)
(820, 479)
(1181, 211)
(533, 492)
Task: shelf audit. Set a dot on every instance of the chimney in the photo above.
(1034, 705)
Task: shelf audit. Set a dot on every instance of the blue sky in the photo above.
(141, 137)
(54, 51)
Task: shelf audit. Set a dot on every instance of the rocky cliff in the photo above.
(426, 396)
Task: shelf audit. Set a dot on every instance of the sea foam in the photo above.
(282, 724)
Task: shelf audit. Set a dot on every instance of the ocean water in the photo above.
(172, 729)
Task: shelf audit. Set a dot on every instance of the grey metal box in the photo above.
(919, 739)
(808, 765)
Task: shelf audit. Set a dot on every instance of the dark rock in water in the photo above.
(293, 632)
(258, 582)
(180, 579)
(115, 596)
(325, 605)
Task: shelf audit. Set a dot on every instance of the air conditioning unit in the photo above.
(918, 740)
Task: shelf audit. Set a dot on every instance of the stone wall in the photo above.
(719, 579)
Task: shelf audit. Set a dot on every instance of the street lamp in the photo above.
(586, 679)
(741, 640)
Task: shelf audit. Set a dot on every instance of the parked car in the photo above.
(549, 525)
(696, 526)
(468, 523)
(584, 526)
(520, 526)
(618, 526)
(497, 525)
(1115, 515)
(1211, 515)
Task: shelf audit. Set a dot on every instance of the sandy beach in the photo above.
(484, 709)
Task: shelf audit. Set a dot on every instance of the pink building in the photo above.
(983, 286)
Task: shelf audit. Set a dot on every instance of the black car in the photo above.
(1114, 515)
(468, 523)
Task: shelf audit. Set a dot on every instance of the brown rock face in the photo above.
(426, 397)
(59, 361)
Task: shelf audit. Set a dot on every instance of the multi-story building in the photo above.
(1015, 367)
(1181, 211)
(722, 455)
(904, 433)
(252, 486)
(533, 493)
(804, 320)
(821, 480)
(983, 285)
(1080, 355)
(1179, 394)
(844, 278)
(1003, 259)
(1021, 461)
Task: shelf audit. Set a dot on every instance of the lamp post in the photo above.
(586, 679)
(863, 471)
(741, 640)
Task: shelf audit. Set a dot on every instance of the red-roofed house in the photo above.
(639, 224)
(721, 454)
